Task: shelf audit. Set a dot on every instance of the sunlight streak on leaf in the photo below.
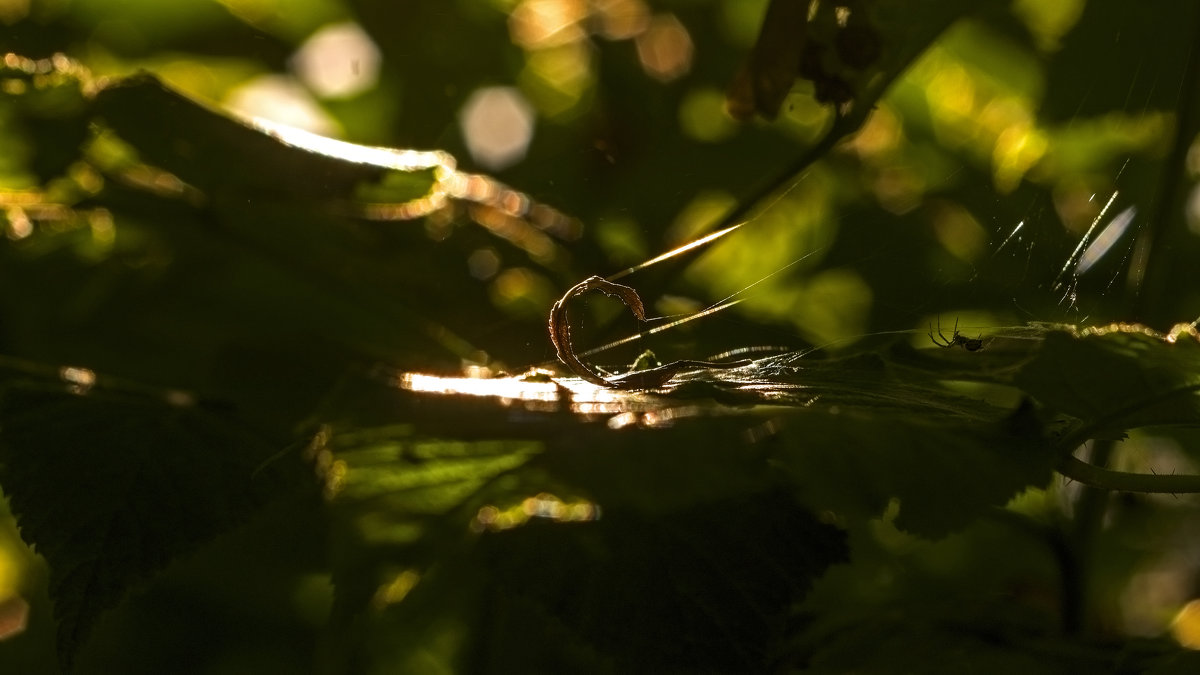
(392, 158)
(529, 393)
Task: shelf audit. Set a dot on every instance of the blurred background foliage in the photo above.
(1027, 161)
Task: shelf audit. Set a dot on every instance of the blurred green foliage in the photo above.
(211, 472)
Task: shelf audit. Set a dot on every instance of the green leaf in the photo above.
(1117, 380)
(507, 531)
(110, 486)
(286, 200)
(850, 435)
(396, 495)
(945, 473)
(706, 588)
(997, 597)
(687, 481)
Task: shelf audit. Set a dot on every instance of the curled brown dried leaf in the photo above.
(560, 336)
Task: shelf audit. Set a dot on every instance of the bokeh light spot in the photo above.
(483, 263)
(665, 48)
(521, 291)
(958, 231)
(14, 617)
(899, 188)
(281, 99)
(951, 92)
(880, 134)
(497, 124)
(834, 305)
(702, 116)
(621, 239)
(19, 224)
(621, 19)
(78, 380)
(556, 79)
(12, 11)
(704, 211)
(1186, 626)
(338, 61)
(1048, 21)
(1193, 157)
(537, 24)
(395, 590)
(1017, 149)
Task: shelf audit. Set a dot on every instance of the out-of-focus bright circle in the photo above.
(338, 61)
(665, 48)
(483, 263)
(538, 24)
(14, 617)
(702, 116)
(1186, 626)
(281, 99)
(497, 124)
(1193, 210)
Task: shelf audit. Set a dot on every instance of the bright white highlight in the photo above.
(497, 124)
(338, 61)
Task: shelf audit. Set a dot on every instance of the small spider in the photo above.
(957, 339)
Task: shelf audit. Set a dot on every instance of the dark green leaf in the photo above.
(704, 589)
(1117, 380)
(110, 486)
(945, 474)
(690, 519)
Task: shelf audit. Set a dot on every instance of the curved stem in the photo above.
(1120, 481)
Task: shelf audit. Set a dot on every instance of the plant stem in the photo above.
(1120, 481)
(1167, 224)
(1088, 516)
